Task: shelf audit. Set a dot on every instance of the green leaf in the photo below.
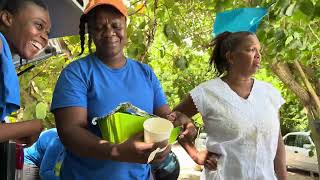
(41, 110)
(289, 39)
(283, 3)
(168, 31)
(306, 7)
(28, 112)
(317, 10)
(290, 9)
(181, 62)
(171, 32)
(169, 3)
(142, 25)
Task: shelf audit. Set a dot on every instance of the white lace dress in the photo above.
(244, 131)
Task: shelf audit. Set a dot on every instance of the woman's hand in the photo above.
(137, 151)
(189, 130)
(206, 158)
(211, 161)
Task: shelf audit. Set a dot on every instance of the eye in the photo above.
(116, 25)
(39, 26)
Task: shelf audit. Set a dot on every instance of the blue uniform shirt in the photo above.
(34, 154)
(54, 154)
(91, 84)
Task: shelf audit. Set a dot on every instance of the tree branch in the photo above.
(309, 87)
(144, 4)
(152, 32)
(284, 73)
(317, 37)
(318, 87)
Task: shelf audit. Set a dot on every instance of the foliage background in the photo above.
(173, 36)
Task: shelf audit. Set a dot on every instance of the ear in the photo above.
(6, 18)
(229, 57)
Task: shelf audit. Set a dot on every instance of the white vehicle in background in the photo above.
(300, 151)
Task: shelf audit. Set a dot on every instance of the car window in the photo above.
(290, 140)
(301, 140)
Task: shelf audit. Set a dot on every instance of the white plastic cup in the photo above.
(157, 130)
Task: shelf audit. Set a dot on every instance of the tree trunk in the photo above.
(284, 73)
(314, 127)
(308, 98)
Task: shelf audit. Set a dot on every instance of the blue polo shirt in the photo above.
(90, 84)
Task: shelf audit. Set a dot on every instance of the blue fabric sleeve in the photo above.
(71, 88)
(9, 82)
(50, 158)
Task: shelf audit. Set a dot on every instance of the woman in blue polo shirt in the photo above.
(93, 86)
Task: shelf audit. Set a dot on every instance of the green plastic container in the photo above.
(119, 127)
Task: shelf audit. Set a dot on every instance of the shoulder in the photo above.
(136, 63)
(81, 62)
(142, 68)
(212, 83)
(267, 86)
(48, 135)
(268, 90)
(80, 66)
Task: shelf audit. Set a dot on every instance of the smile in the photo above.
(37, 45)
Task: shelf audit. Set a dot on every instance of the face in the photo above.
(246, 57)
(108, 31)
(28, 30)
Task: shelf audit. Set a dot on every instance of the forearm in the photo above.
(18, 130)
(190, 149)
(84, 143)
(280, 161)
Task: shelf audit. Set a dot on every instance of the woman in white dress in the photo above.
(240, 115)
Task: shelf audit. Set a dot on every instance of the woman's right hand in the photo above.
(136, 151)
(208, 159)
(211, 161)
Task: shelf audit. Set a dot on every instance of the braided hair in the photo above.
(82, 31)
(223, 43)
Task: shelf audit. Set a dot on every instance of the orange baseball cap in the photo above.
(118, 4)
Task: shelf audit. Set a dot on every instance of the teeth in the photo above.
(37, 45)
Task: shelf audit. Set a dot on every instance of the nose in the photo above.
(45, 37)
(108, 31)
(257, 54)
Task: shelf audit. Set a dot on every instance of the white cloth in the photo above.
(244, 131)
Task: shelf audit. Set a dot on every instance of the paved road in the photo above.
(190, 171)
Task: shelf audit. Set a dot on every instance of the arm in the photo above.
(26, 131)
(280, 160)
(188, 108)
(163, 111)
(72, 129)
